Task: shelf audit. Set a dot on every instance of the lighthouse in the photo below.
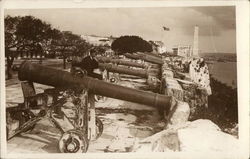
(196, 42)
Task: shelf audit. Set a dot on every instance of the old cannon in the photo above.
(57, 78)
(150, 54)
(114, 71)
(145, 57)
(121, 62)
(150, 74)
(144, 73)
(80, 128)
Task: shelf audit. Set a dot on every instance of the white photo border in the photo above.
(242, 40)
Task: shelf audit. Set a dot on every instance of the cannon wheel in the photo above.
(99, 128)
(73, 141)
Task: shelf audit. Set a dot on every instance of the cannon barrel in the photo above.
(144, 73)
(120, 62)
(145, 57)
(123, 70)
(58, 78)
(150, 54)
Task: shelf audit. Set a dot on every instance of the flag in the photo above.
(165, 28)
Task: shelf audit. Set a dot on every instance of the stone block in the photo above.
(179, 114)
(172, 88)
(167, 73)
(153, 82)
(199, 136)
(205, 136)
(164, 141)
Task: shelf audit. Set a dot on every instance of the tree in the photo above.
(33, 33)
(27, 34)
(11, 42)
(81, 47)
(130, 44)
(70, 44)
(100, 49)
(50, 47)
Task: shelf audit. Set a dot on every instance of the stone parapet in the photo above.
(172, 88)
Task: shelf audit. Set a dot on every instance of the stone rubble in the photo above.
(196, 136)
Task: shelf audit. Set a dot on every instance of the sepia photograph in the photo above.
(129, 79)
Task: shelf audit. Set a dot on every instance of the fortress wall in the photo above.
(199, 74)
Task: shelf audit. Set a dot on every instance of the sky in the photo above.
(217, 24)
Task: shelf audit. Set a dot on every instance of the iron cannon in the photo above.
(150, 54)
(121, 62)
(144, 73)
(145, 57)
(58, 78)
(77, 121)
(150, 74)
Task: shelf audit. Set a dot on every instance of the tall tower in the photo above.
(196, 42)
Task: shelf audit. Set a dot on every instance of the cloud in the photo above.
(211, 20)
(204, 30)
(223, 15)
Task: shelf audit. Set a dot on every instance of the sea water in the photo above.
(225, 72)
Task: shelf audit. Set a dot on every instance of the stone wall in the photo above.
(197, 99)
(189, 100)
(193, 90)
(199, 74)
(179, 110)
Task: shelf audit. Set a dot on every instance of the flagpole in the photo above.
(163, 30)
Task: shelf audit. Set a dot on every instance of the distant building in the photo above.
(158, 46)
(98, 40)
(184, 50)
(175, 50)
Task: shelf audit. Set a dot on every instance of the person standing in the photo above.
(89, 63)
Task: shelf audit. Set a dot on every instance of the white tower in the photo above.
(196, 42)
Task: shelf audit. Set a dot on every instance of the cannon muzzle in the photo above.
(58, 78)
